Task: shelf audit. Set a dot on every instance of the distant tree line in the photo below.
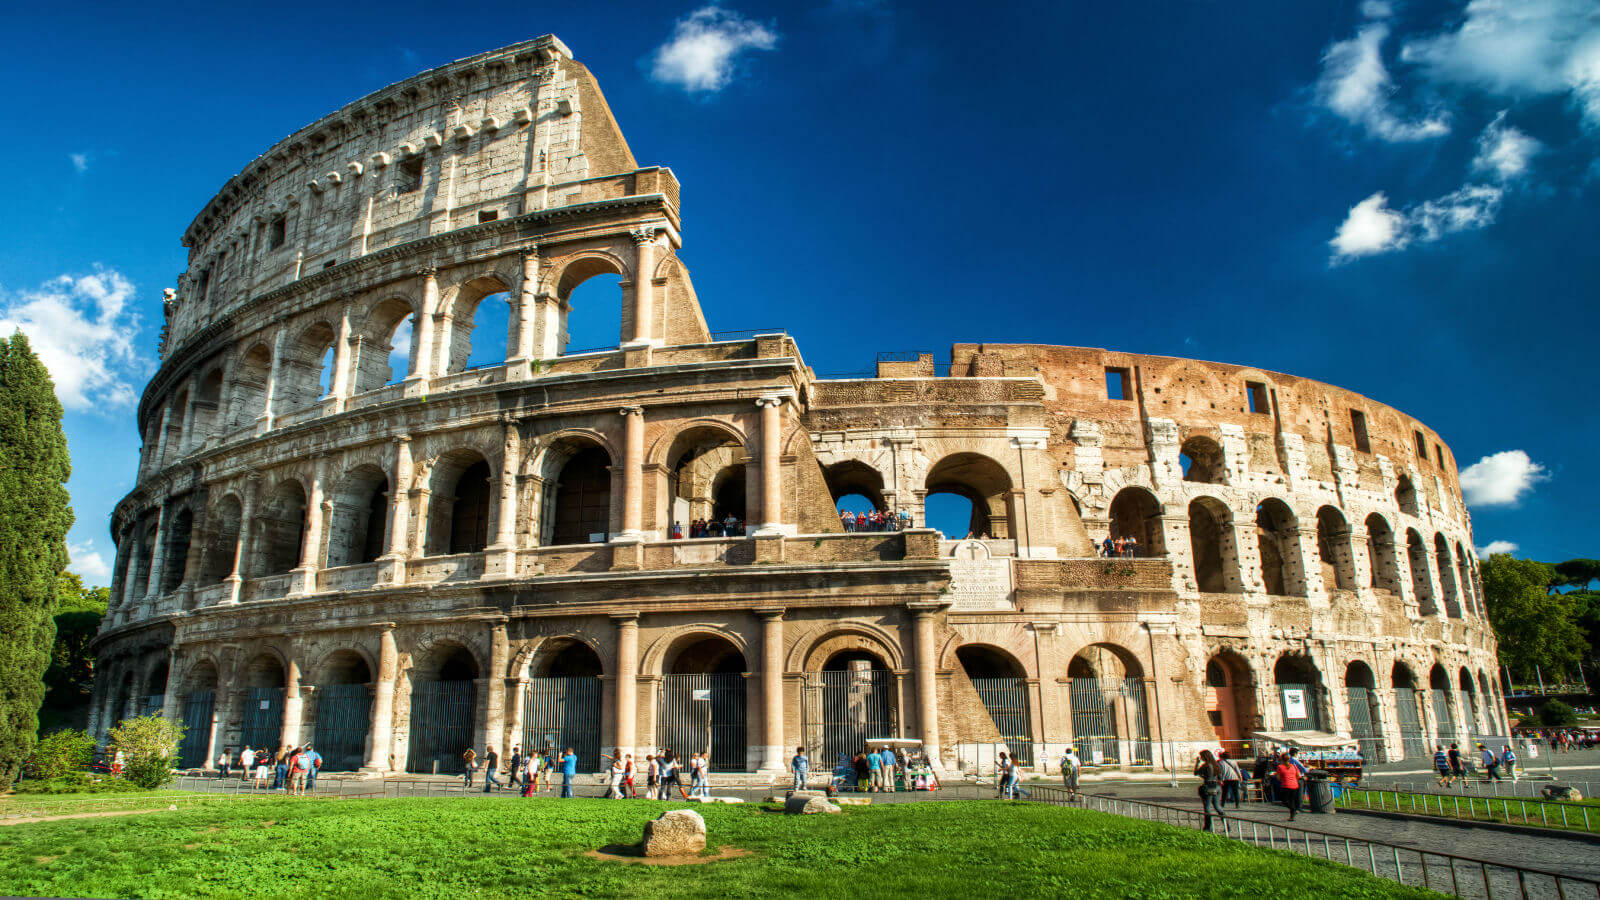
(1546, 616)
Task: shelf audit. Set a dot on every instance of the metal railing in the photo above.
(1460, 876)
(1528, 788)
(1543, 813)
(744, 334)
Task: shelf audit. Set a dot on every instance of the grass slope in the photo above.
(450, 847)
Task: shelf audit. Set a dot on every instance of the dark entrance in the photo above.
(703, 703)
(846, 704)
(1003, 690)
(561, 707)
(197, 708)
(344, 707)
(443, 702)
(263, 717)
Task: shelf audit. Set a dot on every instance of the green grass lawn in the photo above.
(456, 848)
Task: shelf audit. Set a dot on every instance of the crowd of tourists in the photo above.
(884, 770)
(874, 520)
(538, 770)
(1124, 547)
(292, 770)
(731, 526)
(1451, 765)
(1561, 740)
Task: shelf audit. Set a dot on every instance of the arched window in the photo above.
(1421, 581)
(1202, 461)
(1469, 591)
(208, 399)
(248, 401)
(175, 417)
(577, 494)
(1211, 545)
(478, 331)
(1405, 496)
(220, 552)
(306, 366)
(858, 488)
(984, 484)
(176, 567)
(1334, 551)
(458, 510)
(1279, 548)
(1444, 563)
(1382, 555)
(1136, 514)
(707, 482)
(360, 515)
(593, 306)
(384, 350)
(280, 530)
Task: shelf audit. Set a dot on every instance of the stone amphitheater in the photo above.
(401, 561)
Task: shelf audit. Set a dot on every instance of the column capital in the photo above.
(769, 613)
(644, 234)
(399, 439)
(630, 411)
(925, 608)
(622, 618)
(384, 626)
(426, 271)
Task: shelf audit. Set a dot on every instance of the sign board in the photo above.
(977, 582)
(1294, 703)
(702, 694)
(266, 704)
(1097, 756)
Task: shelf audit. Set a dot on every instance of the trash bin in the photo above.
(1319, 796)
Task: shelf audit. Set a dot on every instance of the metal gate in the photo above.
(1312, 718)
(343, 712)
(1468, 703)
(686, 724)
(1445, 729)
(1364, 719)
(197, 708)
(1133, 709)
(263, 718)
(441, 725)
(1094, 719)
(558, 713)
(153, 705)
(843, 709)
(1006, 701)
(1413, 740)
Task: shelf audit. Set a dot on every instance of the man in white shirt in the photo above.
(618, 769)
(247, 761)
(1070, 766)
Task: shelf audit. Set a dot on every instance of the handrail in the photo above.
(1346, 798)
(1391, 864)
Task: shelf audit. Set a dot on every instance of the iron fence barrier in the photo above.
(1491, 789)
(1571, 815)
(1460, 876)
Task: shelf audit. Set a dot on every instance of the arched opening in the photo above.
(1300, 693)
(561, 706)
(458, 510)
(122, 701)
(478, 330)
(1334, 550)
(1471, 710)
(1279, 547)
(1136, 515)
(1493, 714)
(707, 487)
(1382, 557)
(223, 546)
(307, 368)
(1002, 688)
(847, 704)
(857, 490)
(1421, 583)
(1211, 545)
(443, 704)
(1444, 563)
(197, 709)
(261, 722)
(343, 710)
(356, 530)
(146, 559)
(1231, 701)
(1469, 593)
(175, 418)
(155, 690)
(713, 668)
(249, 395)
(208, 398)
(1446, 728)
(577, 493)
(982, 482)
(1366, 714)
(1202, 461)
(592, 306)
(176, 564)
(1405, 496)
(281, 530)
(1408, 711)
(1110, 725)
(384, 350)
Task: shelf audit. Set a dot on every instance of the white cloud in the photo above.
(1494, 547)
(1505, 150)
(1469, 207)
(1355, 85)
(1500, 479)
(1520, 48)
(80, 161)
(705, 47)
(1376, 9)
(1373, 227)
(83, 332)
(89, 564)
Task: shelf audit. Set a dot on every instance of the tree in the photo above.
(1535, 627)
(149, 746)
(70, 679)
(1556, 714)
(34, 518)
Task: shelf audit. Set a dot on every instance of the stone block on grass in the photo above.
(678, 832)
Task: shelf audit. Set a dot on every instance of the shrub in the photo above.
(60, 752)
(149, 746)
(1555, 714)
(78, 783)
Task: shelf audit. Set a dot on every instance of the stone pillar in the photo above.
(186, 437)
(223, 705)
(274, 374)
(380, 732)
(927, 688)
(522, 326)
(305, 576)
(293, 707)
(339, 384)
(158, 556)
(393, 564)
(627, 692)
(632, 476)
(771, 473)
(516, 692)
(235, 579)
(501, 560)
(160, 458)
(644, 239)
(416, 384)
(772, 739)
(494, 713)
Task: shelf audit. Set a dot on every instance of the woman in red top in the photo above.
(1289, 785)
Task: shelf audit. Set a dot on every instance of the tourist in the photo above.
(1491, 764)
(491, 767)
(669, 774)
(469, 765)
(222, 763)
(1120, 544)
(627, 775)
(1458, 772)
(1263, 775)
(890, 763)
(313, 766)
(1002, 776)
(847, 520)
(875, 771)
(298, 766)
(1441, 764)
(1210, 772)
(697, 776)
(732, 526)
(1071, 767)
(652, 776)
(1131, 547)
(116, 763)
(514, 776)
(1289, 785)
(569, 771)
(801, 767)
(618, 772)
(1108, 546)
(247, 761)
(530, 775)
(677, 531)
(1232, 779)
(535, 767)
(861, 521)
(280, 771)
(1508, 760)
(263, 761)
(863, 772)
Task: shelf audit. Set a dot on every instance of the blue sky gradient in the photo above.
(876, 176)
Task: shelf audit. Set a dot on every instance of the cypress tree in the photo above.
(34, 518)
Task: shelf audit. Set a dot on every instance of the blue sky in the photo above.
(1398, 198)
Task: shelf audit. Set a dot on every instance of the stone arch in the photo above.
(1110, 712)
(1308, 709)
(280, 529)
(1136, 513)
(1472, 708)
(1405, 496)
(441, 684)
(813, 647)
(208, 405)
(855, 477)
(358, 525)
(1203, 461)
(374, 342)
(338, 666)
(1335, 552)
(1444, 567)
(1421, 579)
(180, 532)
(247, 394)
(1472, 602)
(572, 271)
(461, 486)
(1213, 547)
(1231, 698)
(1382, 555)
(305, 368)
(666, 651)
(707, 476)
(176, 412)
(566, 657)
(1277, 540)
(984, 483)
(710, 658)
(463, 302)
(575, 476)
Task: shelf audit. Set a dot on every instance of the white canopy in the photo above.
(1323, 740)
(893, 742)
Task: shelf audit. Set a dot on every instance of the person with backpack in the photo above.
(652, 776)
(1210, 772)
(697, 776)
(313, 766)
(247, 761)
(1491, 764)
(1071, 768)
(619, 770)
(1232, 779)
(1508, 761)
(1441, 764)
(1458, 772)
(299, 765)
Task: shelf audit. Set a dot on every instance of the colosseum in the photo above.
(402, 561)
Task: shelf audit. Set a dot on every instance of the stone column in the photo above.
(235, 579)
(339, 384)
(274, 373)
(158, 556)
(160, 458)
(380, 733)
(494, 713)
(416, 384)
(772, 738)
(186, 437)
(644, 239)
(927, 688)
(516, 693)
(317, 506)
(520, 353)
(393, 564)
(501, 560)
(771, 474)
(627, 692)
(293, 707)
(632, 476)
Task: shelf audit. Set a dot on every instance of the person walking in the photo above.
(514, 774)
(1458, 772)
(469, 766)
(298, 766)
(1002, 776)
(491, 768)
(117, 762)
(1491, 764)
(875, 771)
(801, 767)
(890, 767)
(862, 770)
(652, 776)
(1508, 760)
(618, 771)
(569, 771)
(1289, 785)
(1232, 779)
(627, 776)
(1441, 764)
(313, 766)
(697, 776)
(263, 769)
(1071, 768)
(247, 761)
(1210, 772)
(280, 773)
(222, 763)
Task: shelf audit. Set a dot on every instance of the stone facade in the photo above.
(401, 567)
